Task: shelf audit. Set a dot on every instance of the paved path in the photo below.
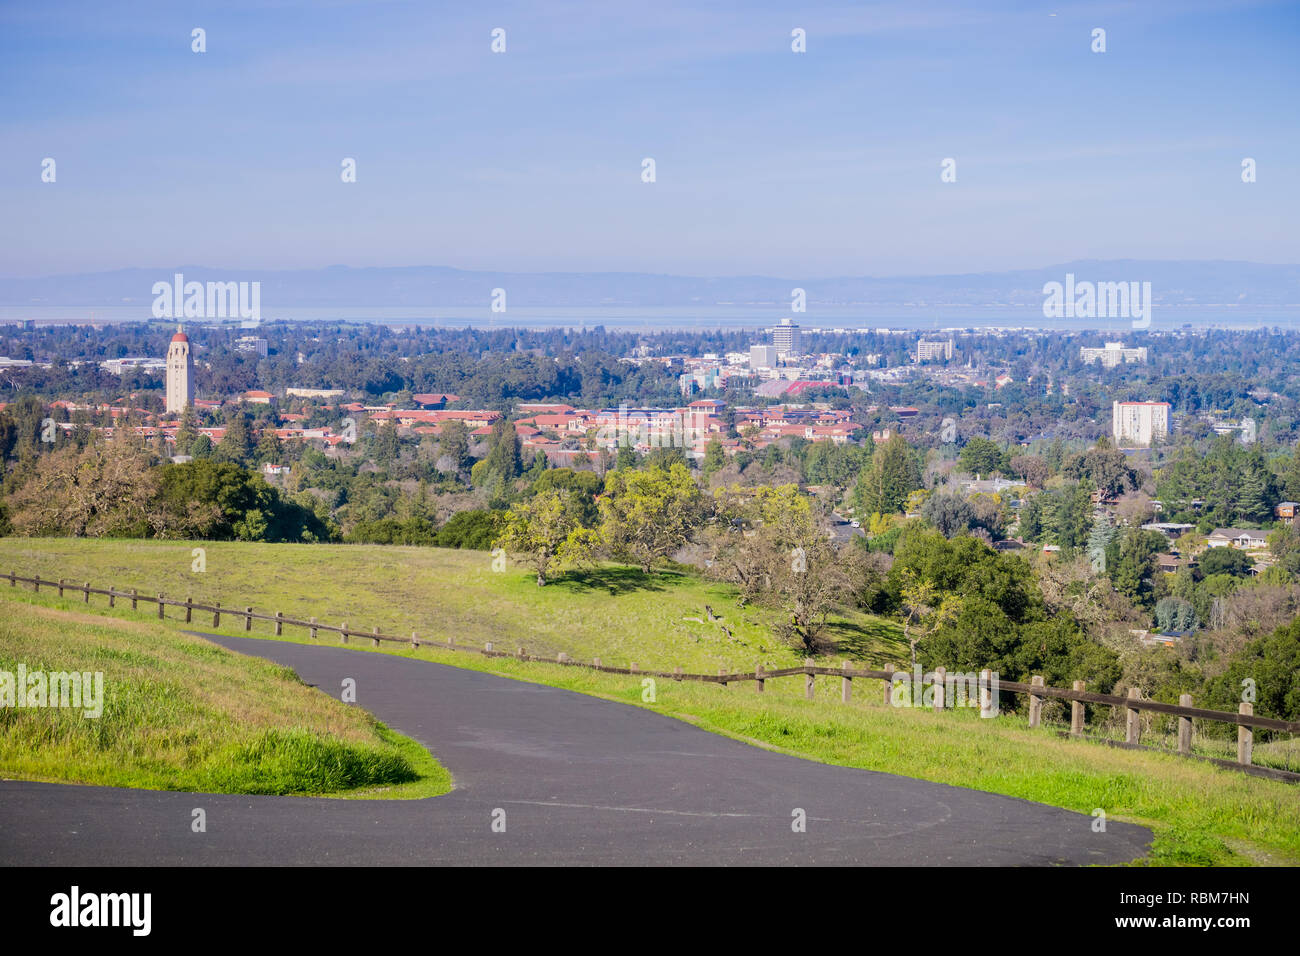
(581, 781)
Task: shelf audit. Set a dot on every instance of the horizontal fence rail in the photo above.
(1245, 719)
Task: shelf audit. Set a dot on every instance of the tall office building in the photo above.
(927, 351)
(786, 338)
(180, 368)
(1139, 423)
(762, 356)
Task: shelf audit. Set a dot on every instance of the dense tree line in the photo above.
(120, 489)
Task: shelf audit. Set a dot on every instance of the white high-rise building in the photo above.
(786, 338)
(762, 356)
(928, 351)
(180, 378)
(1139, 423)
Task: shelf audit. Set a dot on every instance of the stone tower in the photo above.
(180, 382)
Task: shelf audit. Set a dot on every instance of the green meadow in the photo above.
(612, 612)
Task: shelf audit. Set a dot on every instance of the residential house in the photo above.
(1170, 529)
(1170, 563)
(1242, 540)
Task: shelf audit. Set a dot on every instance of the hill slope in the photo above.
(179, 713)
(1199, 814)
(614, 614)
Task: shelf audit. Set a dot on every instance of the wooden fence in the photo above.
(942, 682)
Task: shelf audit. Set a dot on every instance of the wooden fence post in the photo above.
(189, 608)
(312, 631)
(1184, 726)
(85, 594)
(415, 641)
(632, 667)
(1245, 735)
(451, 641)
(13, 579)
(595, 662)
(889, 684)
(986, 694)
(846, 684)
(722, 672)
(1132, 719)
(1076, 711)
(374, 640)
(563, 658)
(1036, 702)
(343, 631)
(523, 652)
(216, 613)
(808, 679)
(248, 620)
(160, 606)
(60, 587)
(112, 596)
(940, 687)
(487, 648)
(758, 677)
(135, 596)
(279, 621)
(36, 584)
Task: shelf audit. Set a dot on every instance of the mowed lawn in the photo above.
(175, 712)
(615, 613)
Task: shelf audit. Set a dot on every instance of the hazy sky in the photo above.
(815, 164)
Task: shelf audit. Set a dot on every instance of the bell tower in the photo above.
(180, 383)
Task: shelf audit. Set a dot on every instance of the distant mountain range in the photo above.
(1173, 283)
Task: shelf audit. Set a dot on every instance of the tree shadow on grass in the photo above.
(615, 581)
(873, 642)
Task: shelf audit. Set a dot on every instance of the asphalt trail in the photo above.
(580, 781)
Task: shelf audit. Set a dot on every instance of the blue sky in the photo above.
(768, 162)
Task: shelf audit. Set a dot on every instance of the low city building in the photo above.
(1113, 354)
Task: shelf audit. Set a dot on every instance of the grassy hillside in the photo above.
(614, 613)
(180, 713)
(1200, 814)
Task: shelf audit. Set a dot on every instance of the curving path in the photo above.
(581, 781)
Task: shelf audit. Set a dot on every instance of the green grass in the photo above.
(1210, 739)
(180, 713)
(613, 613)
(1199, 814)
